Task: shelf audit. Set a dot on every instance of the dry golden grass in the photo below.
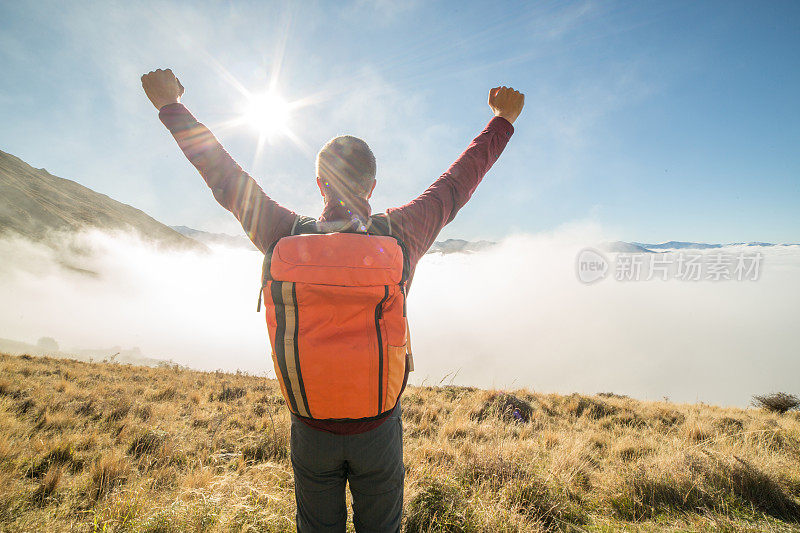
(104, 447)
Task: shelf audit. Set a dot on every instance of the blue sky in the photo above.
(655, 121)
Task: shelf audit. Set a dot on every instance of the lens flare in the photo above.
(268, 113)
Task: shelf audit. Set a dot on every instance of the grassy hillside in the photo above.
(34, 203)
(103, 447)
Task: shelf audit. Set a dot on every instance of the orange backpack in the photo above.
(336, 314)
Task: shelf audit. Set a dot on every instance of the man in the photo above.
(326, 455)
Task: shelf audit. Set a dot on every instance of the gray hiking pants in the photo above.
(371, 462)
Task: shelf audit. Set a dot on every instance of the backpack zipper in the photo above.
(378, 317)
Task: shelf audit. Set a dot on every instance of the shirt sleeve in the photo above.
(264, 220)
(420, 221)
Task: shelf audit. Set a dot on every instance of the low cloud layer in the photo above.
(512, 316)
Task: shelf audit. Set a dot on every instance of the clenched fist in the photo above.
(506, 102)
(162, 87)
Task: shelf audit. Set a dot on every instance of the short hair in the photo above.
(347, 166)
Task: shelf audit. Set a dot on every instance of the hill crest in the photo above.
(35, 204)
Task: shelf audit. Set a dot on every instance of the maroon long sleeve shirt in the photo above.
(416, 223)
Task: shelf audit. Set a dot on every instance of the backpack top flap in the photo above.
(348, 259)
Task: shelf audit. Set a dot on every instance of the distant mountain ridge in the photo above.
(454, 246)
(449, 246)
(678, 245)
(206, 237)
(683, 245)
(34, 203)
(624, 247)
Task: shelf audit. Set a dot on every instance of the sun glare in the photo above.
(268, 113)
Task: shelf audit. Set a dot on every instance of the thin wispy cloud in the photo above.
(611, 89)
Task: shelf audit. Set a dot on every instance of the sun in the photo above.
(267, 113)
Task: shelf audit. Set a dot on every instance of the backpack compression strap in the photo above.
(380, 224)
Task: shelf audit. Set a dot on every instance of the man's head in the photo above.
(346, 168)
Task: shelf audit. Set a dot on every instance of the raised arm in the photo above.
(262, 218)
(421, 220)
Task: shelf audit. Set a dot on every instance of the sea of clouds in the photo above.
(512, 316)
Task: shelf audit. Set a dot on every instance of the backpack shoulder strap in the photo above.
(304, 225)
(380, 224)
(301, 225)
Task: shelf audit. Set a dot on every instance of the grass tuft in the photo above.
(438, 506)
(506, 407)
(229, 393)
(778, 402)
(578, 406)
(269, 447)
(48, 485)
(165, 394)
(119, 410)
(107, 473)
(25, 405)
(146, 442)
(548, 506)
(60, 454)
